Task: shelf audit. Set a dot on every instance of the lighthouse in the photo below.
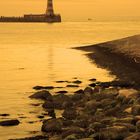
(49, 10)
(49, 16)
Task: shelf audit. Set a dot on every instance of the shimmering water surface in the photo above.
(40, 54)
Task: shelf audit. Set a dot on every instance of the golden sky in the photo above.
(73, 9)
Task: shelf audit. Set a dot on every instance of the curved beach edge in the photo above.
(121, 57)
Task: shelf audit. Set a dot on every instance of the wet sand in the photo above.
(121, 57)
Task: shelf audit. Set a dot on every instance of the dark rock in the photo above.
(48, 105)
(44, 94)
(61, 81)
(4, 115)
(51, 113)
(40, 116)
(67, 123)
(49, 87)
(129, 120)
(96, 126)
(73, 130)
(37, 104)
(43, 87)
(111, 92)
(38, 87)
(81, 123)
(44, 114)
(76, 97)
(107, 120)
(92, 85)
(133, 136)
(52, 125)
(69, 113)
(63, 91)
(93, 79)
(79, 91)
(72, 86)
(114, 133)
(92, 105)
(136, 110)
(88, 91)
(67, 104)
(134, 95)
(130, 127)
(59, 100)
(31, 122)
(59, 87)
(77, 82)
(9, 122)
(34, 138)
(116, 111)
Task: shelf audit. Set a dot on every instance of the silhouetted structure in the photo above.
(49, 16)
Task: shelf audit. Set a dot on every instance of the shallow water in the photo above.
(40, 54)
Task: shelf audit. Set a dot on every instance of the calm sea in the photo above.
(40, 54)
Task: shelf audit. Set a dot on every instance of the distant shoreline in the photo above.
(121, 57)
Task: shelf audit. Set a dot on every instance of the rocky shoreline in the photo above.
(98, 112)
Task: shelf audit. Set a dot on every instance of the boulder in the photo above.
(96, 126)
(135, 136)
(76, 97)
(83, 123)
(59, 100)
(80, 91)
(128, 119)
(88, 91)
(116, 111)
(73, 130)
(131, 127)
(107, 102)
(9, 122)
(48, 105)
(114, 133)
(136, 110)
(51, 113)
(69, 113)
(52, 125)
(44, 94)
(67, 104)
(92, 105)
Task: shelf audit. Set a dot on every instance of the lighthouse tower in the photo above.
(49, 10)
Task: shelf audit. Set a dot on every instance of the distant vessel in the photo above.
(49, 16)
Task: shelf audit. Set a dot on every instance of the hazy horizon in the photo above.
(74, 10)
